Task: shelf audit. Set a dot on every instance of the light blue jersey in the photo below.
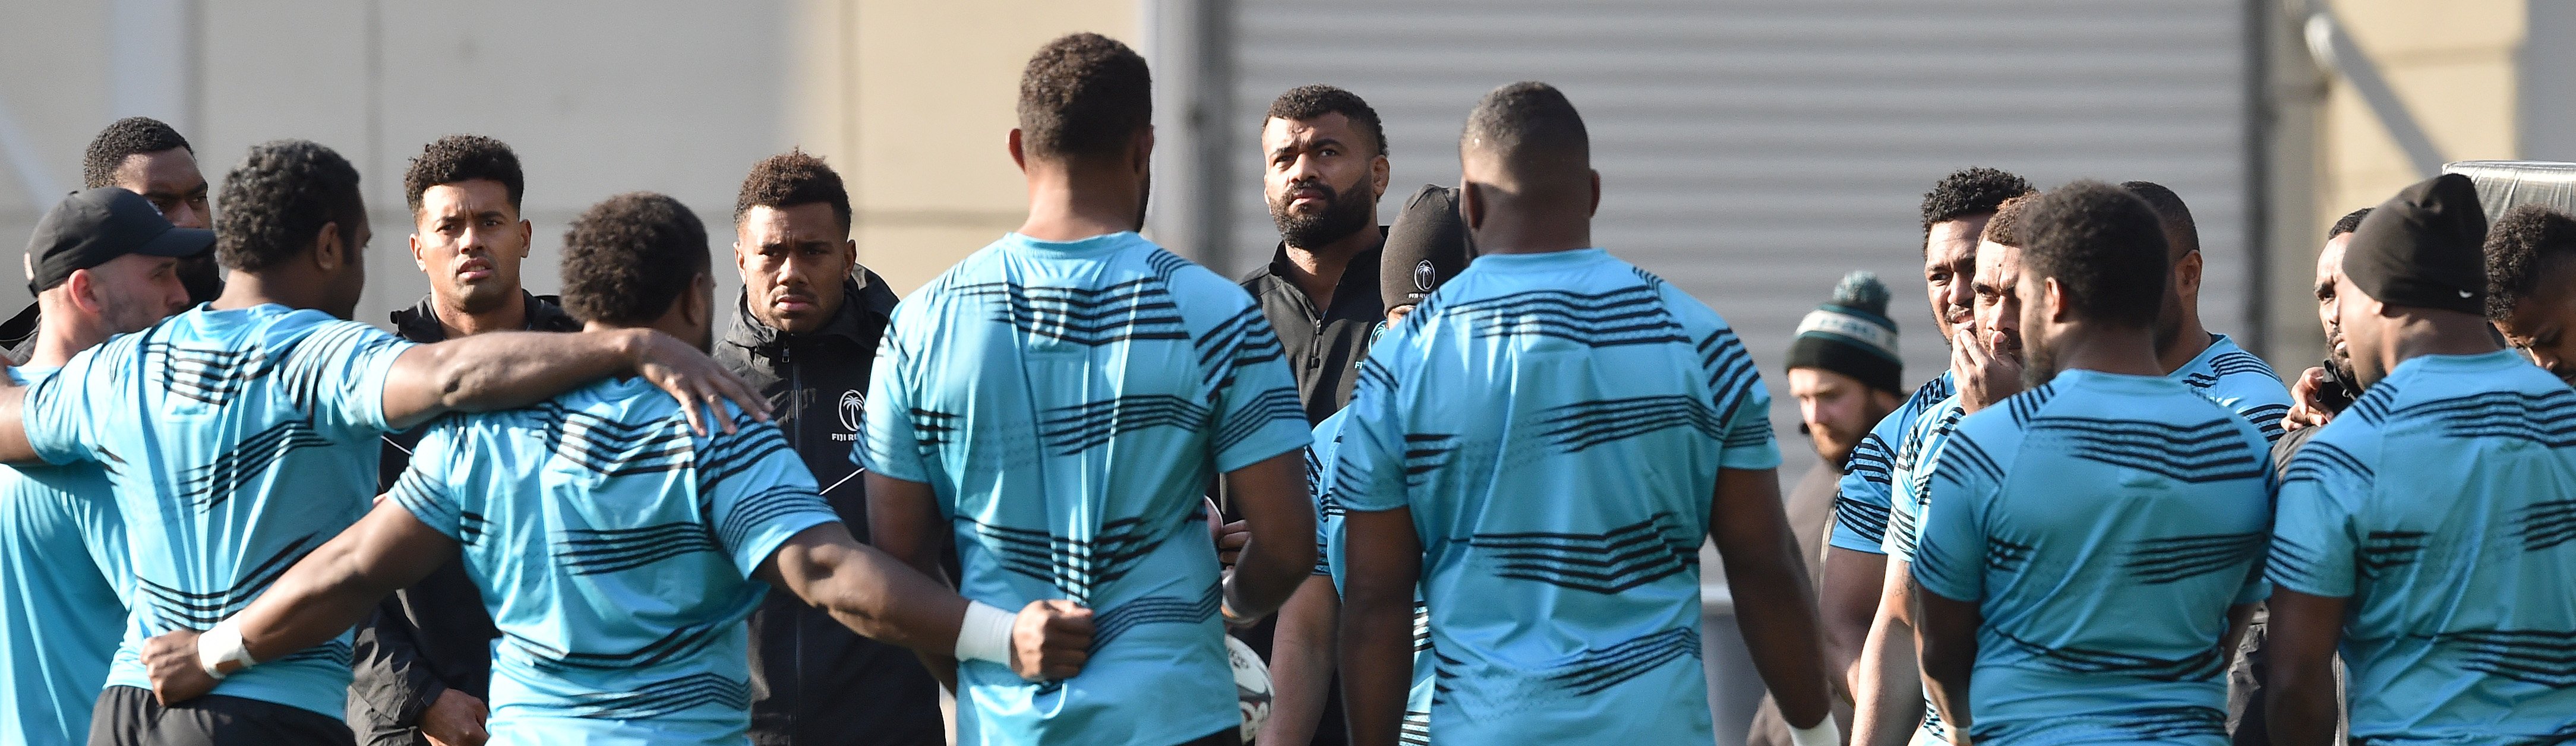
(2239, 381)
(1911, 475)
(2442, 506)
(1331, 546)
(237, 441)
(2102, 524)
(615, 549)
(1866, 494)
(1556, 423)
(1066, 401)
(63, 580)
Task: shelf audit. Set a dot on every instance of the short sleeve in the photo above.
(760, 492)
(1735, 390)
(1750, 444)
(890, 443)
(2314, 537)
(1861, 497)
(1328, 508)
(1368, 464)
(1258, 415)
(59, 412)
(425, 487)
(337, 373)
(1949, 559)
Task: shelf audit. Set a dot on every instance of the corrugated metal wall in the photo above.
(1752, 151)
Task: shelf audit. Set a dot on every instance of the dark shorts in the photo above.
(129, 716)
(1227, 737)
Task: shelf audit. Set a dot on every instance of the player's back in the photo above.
(237, 441)
(2239, 381)
(2104, 524)
(1556, 423)
(2442, 504)
(1066, 402)
(62, 560)
(615, 549)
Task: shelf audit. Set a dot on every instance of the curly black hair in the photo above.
(2104, 246)
(126, 137)
(1084, 96)
(277, 200)
(2005, 228)
(460, 158)
(628, 258)
(2350, 222)
(793, 178)
(1969, 192)
(2180, 231)
(1307, 102)
(2528, 244)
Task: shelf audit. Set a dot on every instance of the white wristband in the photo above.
(1823, 733)
(985, 634)
(221, 645)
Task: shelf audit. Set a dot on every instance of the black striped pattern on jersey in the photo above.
(2382, 551)
(1070, 430)
(2230, 363)
(2026, 405)
(1731, 372)
(757, 509)
(1600, 670)
(2543, 657)
(1866, 520)
(932, 428)
(214, 483)
(677, 644)
(1265, 408)
(2210, 451)
(1606, 563)
(1625, 316)
(2324, 462)
(1421, 627)
(1076, 567)
(1112, 623)
(600, 551)
(2547, 418)
(2546, 524)
(2267, 419)
(174, 608)
(1244, 340)
(1870, 459)
(612, 448)
(423, 497)
(2197, 666)
(2151, 725)
(662, 698)
(1417, 729)
(2167, 560)
(335, 652)
(2292, 563)
(1582, 425)
(2006, 555)
(1137, 309)
(212, 375)
(727, 454)
(1423, 454)
(320, 360)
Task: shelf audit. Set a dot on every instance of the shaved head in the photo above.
(1528, 140)
(2182, 236)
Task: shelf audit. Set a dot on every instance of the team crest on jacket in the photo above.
(853, 402)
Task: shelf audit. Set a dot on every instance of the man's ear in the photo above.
(1380, 172)
(416, 259)
(1595, 209)
(1141, 155)
(849, 255)
(2054, 296)
(82, 288)
(1471, 203)
(329, 252)
(698, 305)
(527, 237)
(1019, 156)
(2187, 274)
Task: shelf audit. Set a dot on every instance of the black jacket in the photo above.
(435, 635)
(813, 680)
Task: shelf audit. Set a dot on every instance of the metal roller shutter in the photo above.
(1752, 151)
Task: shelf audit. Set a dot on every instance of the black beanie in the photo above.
(1852, 335)
(2424, 247)
(1426, 246)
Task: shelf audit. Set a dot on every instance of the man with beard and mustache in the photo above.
(2210, 363)
(423, 667)
(2090, 546)
(1986, 363)
(1845, 373)
(1324, 157)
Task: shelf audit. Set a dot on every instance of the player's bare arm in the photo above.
(2301, 638)
(1050, 639)
(1848, 596)
(1774, 605)
(1946, 638)
(878, 596)
(1281, 552)
(1302, 651)
(503, 370)
(1377, 622)
(1889, 700)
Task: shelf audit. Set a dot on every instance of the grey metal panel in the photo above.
(1752, 151)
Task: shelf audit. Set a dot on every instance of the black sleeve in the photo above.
(393, 683)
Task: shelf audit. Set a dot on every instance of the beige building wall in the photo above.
(913, 102)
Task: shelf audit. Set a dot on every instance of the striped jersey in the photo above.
(237, 441)
(615, 549)
(2239, 381)
(63, 579)
(1556, 423)
(1866, 493)
(2442, 506)
(2103, 524)
(1068, 402)
(1331, 546)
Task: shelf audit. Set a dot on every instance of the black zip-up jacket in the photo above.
(435, 635)
(813, 680)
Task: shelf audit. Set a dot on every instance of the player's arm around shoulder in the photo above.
(504, 370)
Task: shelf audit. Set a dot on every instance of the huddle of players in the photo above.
(2077, 522)
(1049, 407)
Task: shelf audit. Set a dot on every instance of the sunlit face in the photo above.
(470, 242)
(170, 180)
(1998, 300)
(1949, 261)
(135, 291)
(1836, 409)
(793, 260)
(1319, 177)
(2365, 336)
(2540, 323)
(2330, 269)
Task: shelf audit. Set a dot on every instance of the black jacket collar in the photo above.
(419, 323)
(866, 304)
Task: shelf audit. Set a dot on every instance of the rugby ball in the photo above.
(1251, 686)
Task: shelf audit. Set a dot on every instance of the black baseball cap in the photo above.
(94, 226)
